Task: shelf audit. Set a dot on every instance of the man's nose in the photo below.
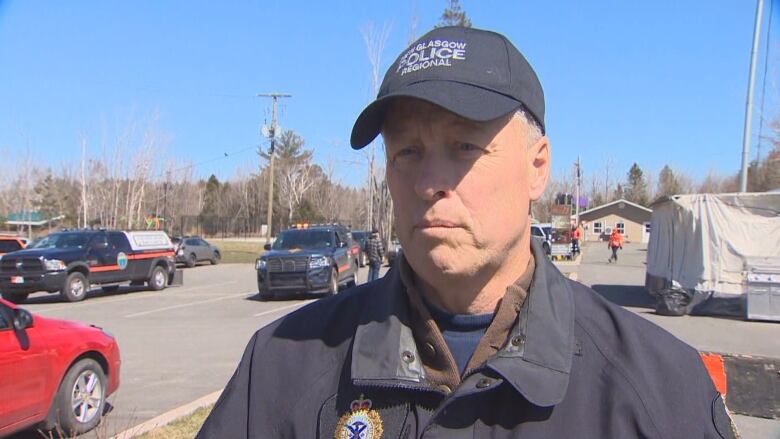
(433, 179)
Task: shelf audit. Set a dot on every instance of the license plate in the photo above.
(17, 280)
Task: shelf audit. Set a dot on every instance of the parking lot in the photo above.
(177, 345)
(183, 343)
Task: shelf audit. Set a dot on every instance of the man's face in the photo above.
(461, 189)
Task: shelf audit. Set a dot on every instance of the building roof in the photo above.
(622, 200)
(30, 218)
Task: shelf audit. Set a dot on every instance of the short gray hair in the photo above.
(534, 131)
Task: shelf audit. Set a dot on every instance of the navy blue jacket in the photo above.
(574, 365)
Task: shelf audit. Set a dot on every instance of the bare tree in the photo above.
(84, 199)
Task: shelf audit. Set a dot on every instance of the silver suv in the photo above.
(192, 249)
(543, 233)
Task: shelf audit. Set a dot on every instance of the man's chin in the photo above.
(446, 260)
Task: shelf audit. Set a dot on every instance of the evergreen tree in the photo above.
(211, 197)
(636, 191)
(454, 15)
(46, 200)
(668, 182)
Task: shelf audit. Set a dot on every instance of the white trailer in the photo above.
(704, 246)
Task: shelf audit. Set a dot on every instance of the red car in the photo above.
(54, 374)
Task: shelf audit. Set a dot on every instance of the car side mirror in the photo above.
(23, 319)
(267, 247)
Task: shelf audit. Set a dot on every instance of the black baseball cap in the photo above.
(474, 73)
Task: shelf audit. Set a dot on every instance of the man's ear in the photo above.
(538, 168)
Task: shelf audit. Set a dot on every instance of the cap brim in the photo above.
(465, 100)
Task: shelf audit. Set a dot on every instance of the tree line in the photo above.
(605, 185)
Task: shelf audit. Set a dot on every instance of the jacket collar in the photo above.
(536, 364)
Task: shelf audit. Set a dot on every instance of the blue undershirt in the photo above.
(462, 332)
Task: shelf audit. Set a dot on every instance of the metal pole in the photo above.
(577, 196)
(749, 105)
(275, 97)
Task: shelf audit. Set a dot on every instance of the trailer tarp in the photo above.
(702, 246)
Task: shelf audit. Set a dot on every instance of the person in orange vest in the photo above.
(575, 240)
(615, 243)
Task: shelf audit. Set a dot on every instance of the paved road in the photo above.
(177, 345)
(623, 283)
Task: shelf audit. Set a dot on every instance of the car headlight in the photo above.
(53, 264)
(180, 252)
(318, 262)
(260, 264)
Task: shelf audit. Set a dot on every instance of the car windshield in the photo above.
(303, 239)
(63, 240)
(8, 246)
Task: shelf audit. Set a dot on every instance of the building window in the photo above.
(598, 228)
(621, 228)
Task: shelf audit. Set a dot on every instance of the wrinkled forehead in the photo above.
(406, 114)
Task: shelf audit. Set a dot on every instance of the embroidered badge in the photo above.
(360, 422)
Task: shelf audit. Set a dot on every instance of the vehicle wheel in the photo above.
(159, 279)
(81, 397)
(191, 260)
(546, 248)
(75, 288)
(110, 288)
(352, 282)
(215, 258)
(15, 298)
(333, 287)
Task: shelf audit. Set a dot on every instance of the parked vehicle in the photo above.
(193, 249)
(316, 259)
(393, 251)
(543, 233)
(54, 374)
(10, 244)
(69, 262)
(360, 237)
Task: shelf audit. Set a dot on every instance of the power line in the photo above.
(224, 156)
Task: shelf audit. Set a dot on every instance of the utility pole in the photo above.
(749, 104)
(577, 192)
(165, 200)
(272, 135)
(370, 225)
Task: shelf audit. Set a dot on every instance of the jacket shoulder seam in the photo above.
(623, 374)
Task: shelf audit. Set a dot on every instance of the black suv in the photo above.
(316, 259)
(71, 261)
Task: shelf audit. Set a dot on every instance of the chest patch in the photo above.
(360, 422)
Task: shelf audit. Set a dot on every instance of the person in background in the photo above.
(375, 252)
(575, 240)
(615, 243)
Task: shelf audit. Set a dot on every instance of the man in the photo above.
(575, 240)
(375, 253)
(472, 333)
(615, 243)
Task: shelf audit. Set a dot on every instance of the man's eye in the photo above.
(468, 147)
(405, 152)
